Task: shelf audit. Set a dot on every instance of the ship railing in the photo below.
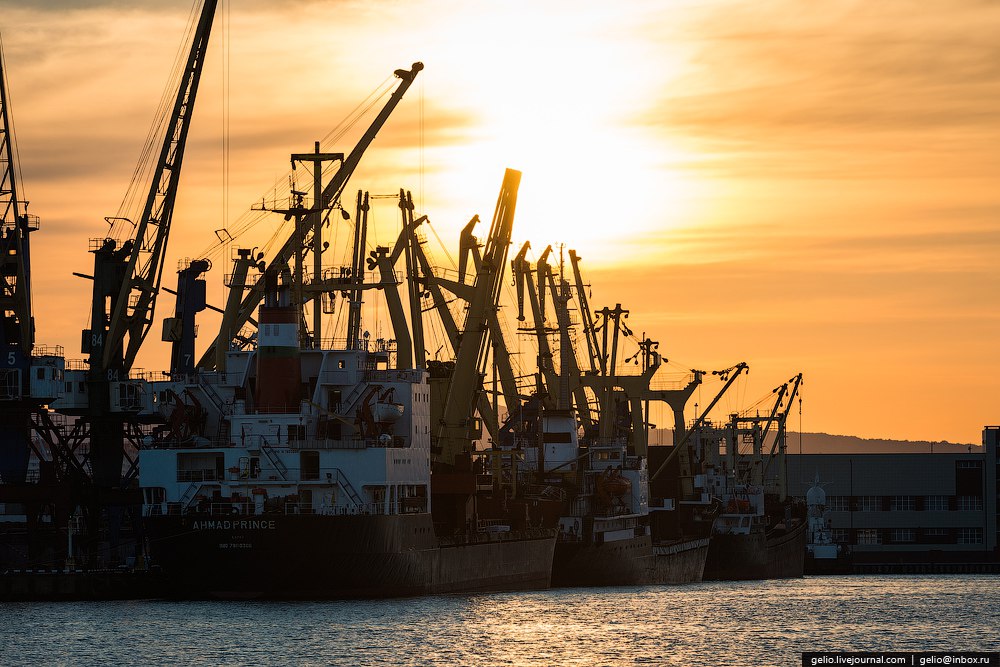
(47, 351)
(299, 508)
(233, 507)
(337, 510)
(394, 375)
(203, 475)
(674, 383)
(546, 491)
(253, 442)
(472, 536)
(77, 365)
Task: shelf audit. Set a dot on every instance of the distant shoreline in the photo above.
(825, 443)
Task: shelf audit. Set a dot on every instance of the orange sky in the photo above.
(812, 190)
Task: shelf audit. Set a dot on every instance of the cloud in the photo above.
(844, 90)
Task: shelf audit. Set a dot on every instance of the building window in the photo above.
(970, 504)
(970, 535)
(903, 535)
(838, 503)
(296, 432)
(839, 535)
(936, 535)
(869, 504)
(869, 536)
(968, 465)
(902, 503)
(936, 503)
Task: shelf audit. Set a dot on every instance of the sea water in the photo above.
(717, 623)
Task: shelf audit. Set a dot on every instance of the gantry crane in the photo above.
(127, 279)
(30, 376)
(17, 330)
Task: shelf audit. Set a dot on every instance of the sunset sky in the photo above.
(807, 187)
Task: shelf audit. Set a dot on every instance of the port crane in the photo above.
(30, 375)
(126, 280)
(17, 330)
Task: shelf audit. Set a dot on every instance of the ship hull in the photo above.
(347, 556)
(757, 555)
(681, 562)
(624, 562)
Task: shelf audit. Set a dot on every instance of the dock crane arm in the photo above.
(780, 436)
(585, 313)
(17, 330)
(732, 374)
(133, 308)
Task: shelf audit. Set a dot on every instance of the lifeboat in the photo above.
(386, 413)
(611, 484)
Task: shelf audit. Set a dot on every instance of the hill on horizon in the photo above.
(826, 443)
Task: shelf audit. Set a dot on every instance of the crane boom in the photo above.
(133, 308)
(452, 433)
(16, 325)
(331, 193)
(127, 279)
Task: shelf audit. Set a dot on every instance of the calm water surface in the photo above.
(745, 623)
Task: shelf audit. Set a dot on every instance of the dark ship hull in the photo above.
(758, 555)
(623, 562)
(631, 562)
(344, 556)
(680, 562)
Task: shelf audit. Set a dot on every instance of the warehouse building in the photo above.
(900, 508)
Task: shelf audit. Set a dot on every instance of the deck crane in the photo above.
(525, 283)
(465, 290)
(778, 446)
(127, 277)
(451, 435)
(729, 376)
(569, 368)
(296, 242)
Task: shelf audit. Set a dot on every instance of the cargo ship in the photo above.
(597, 497)
(578, 442)
(331, 500)
(286, 465)
(300, 470)
(727, 483)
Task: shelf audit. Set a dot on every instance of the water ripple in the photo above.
(744, 623)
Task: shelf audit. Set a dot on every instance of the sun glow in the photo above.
(564, 108)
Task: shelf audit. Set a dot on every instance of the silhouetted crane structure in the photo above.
(127, 280)
(305, 237)
(81, 449)
(17, 329)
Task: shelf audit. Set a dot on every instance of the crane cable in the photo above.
(131, 205)
(251, 217)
